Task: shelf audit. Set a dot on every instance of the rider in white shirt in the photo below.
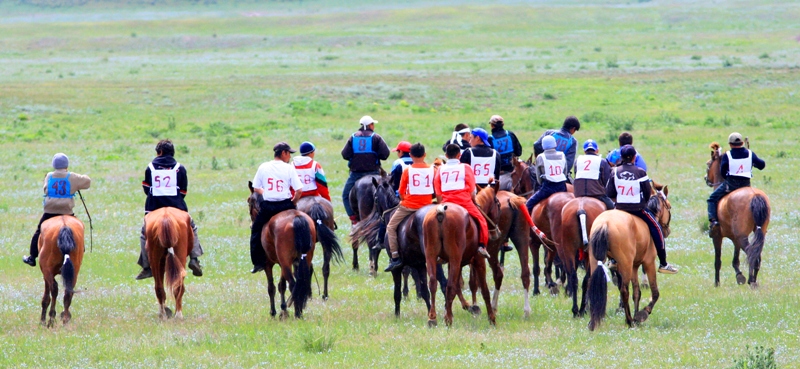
(551, 166)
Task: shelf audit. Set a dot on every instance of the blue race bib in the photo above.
(562, 143)
(59, 188)
(362, 145)
(504, 145)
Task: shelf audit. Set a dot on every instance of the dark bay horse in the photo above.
(60, 252)
(169, 241)
(577, 218)
(521, 178)
(741, 212)
(321, 212)
(288, 240)
(625, 238)
(362, 201)
(547, 216)
(451, 235)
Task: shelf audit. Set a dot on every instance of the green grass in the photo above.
(228, 81)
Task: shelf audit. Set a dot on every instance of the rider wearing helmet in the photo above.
(484, 161)
(564, 142)
(591, 174)
(550, 172)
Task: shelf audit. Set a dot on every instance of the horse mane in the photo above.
(485, 196)
(714, 146)
(653, 205)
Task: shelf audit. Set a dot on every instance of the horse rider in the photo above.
(403, 150)
(483, 159)
(274, 182)
(505, 143)
(59, 188)
(416, 191)
(564, 142)
(550, 172)
(310, 172)
(364, 151)
(737, 167)
(635, 192)
(455, 183)
(461, 135)
(591, 174)
(615, 158)
(165, 184)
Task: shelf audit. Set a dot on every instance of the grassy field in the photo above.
(103, 82)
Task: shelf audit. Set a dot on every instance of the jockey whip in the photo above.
(91, 238)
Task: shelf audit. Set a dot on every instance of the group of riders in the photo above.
(474, 159)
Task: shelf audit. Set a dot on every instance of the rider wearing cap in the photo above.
(403, 150)
(483, 159)
(166, 184)
(737, 167)
(550, 172)
(455, 183)
(364, 151)
(505, 143)
(416, 191)
(615, 158)
(591, 174)
(634, 192)
(310, 172)
(564, 142)
(461, 135)
(60, 186)
(274, 182)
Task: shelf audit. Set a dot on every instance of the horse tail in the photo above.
(582, 222)
(598, 287)
(66, 243)
(760, 210)
(302, 274)
(168, 238)
(367, 230)
(326, 236)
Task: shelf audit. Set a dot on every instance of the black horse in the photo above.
(321, 211)
(362, 198)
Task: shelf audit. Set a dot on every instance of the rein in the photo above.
(519, 182)
(91, 228)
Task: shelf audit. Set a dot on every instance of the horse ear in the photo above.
(666, 191)
(250, 186)
(374, 182)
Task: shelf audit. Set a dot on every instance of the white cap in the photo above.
(367, 120)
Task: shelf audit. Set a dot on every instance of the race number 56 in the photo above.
(275, 184)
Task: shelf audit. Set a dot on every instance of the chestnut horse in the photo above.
(170, 239)
(60, 252)
(577, 218)
(451, 235)
(626, 238)
(288, 240)
(547, 216)
(521, 178)
(741, 212)
(321, 212)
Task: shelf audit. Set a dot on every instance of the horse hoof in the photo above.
(754, 285)
(168, 312)
(527, 314)
(716, 284)
(284, 315)
(740, 279)
(475, 310)
(592, 325)
(432, 323)
(554, 290)
(641, 316)
(448, 322)
(536, 292)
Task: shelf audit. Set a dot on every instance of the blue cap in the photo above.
(480, 132)
(548, 142)
(590, 145)
(307, 148)
(627, 151)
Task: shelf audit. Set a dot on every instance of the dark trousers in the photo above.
(547, 188)
(35, 240)
(606, 200)
(723, 189)
(655, 233)
(268, 210)
(351, 181)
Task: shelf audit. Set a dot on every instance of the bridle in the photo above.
(662, 198)
(519, 182)
(708, 170)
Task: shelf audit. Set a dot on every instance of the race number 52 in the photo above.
(159, 181)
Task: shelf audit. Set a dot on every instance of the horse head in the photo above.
(520, 177)
(661, 207)
(252, 202)
(384, 196)
(713, 176)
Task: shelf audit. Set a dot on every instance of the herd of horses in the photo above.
(584, 234)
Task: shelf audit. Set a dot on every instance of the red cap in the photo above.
(403, 146)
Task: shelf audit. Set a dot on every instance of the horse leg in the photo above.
(480, 272)
(66, 316)
(536, 269)
(53, 301)
(572, 285)
(422, 286)
(584, 288)
(431, 266)
(717, 258)
(373, 261)
(473, 288)
(455, 284)
(326, 272)
(650, 269)
(398, 295)
(548, 272)
(271, 289)
(406, 272)
(625, 280)
(522, 244)
(637, 294)
(737, 246)
(354, 243)
(497, 275)
(48, 281)
(440, 278)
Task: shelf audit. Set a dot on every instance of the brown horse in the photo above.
(321, 212)
(521, 178)
(288, 240)
(741, 212)
(577, 218)
(170, 239)
(625, 238)
(451, 236)
(60, 252)
(547, 216)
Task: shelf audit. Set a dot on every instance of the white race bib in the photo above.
(741, 167)
(308, 177)
(420, 181)
(452, 177)
(629, 191)
(164, 182)
(554, 169)
(588, 167)
(483, 168)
